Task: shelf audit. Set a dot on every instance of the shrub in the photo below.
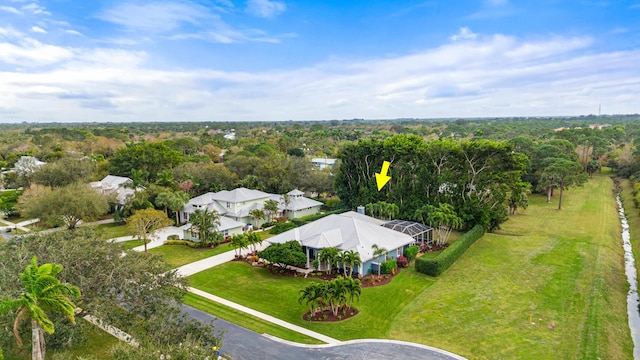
(175, 242)
(191, 244)
(389, 266)
(402, 262)
(448, 256)
(173, 237)
(282, 219)
(281, 227)
(411, 252)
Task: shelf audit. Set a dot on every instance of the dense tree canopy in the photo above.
(148, 158)
(472, 176)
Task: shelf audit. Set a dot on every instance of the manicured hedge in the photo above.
(281, 227)
(191, 244)
(450, 255)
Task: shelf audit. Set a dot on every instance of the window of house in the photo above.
(228, 205)
(225, 233)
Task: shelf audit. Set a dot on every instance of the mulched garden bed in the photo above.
(327, 315)
(372, 280)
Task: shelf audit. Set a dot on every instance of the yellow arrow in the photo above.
(381, 177)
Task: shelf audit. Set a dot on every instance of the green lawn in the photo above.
(128, 245)
(114, 230)
(240, 282)
(178, 255)
(247, 321)
(563, 266)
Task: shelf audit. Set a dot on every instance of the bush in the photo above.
(281, 227)
(173, 237)
(448, 256)
(191, 244)
(411, 252)
(389, 266)
(402, 262)
(282, 219)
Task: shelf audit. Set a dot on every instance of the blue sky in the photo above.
(225, 60)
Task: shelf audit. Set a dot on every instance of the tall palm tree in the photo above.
(205, 223)
(353, 290)
(42, 292)
(327, 256)
(271, 207)
(443, 218)
(257, 215)
(176, 202)
(378, 251)
(351, 258)
(312, 295)
(162, 200)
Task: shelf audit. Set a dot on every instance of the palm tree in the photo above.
(286, 201)
(257, 215)
(238, 242)
(444, 219)
(253, 239)
(351, 258)
(162, 200)
(340, 261)
(378, 251)
(353, 290)
(42, 292)
(312, 296)
(336, 294)
(271, 207)
(177, 201)
(327, 256)
(205, 223)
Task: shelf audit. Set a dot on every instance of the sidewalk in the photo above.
(266, 317)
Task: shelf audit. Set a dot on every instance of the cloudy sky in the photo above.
(227, 60)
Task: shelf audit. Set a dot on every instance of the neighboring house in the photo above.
(298, 206)
(118, 187)
(322, 163)
(348, 231)
(238, 203)
(228, 227)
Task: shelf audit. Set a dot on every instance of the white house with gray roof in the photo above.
(238, 203)
(348, 231)
(117, 187)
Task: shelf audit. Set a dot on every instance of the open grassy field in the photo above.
(559, 266)
(546, 265)
(113, 230)
(178, 255)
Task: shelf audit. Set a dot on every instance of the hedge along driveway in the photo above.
(278, 296)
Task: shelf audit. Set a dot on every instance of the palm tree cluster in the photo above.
(347, 259)
(382, 210)
(205, 223)
(442, 218)
(336, 294)
(245, 241)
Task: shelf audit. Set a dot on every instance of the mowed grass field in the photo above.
(558, 266)
(546, 265)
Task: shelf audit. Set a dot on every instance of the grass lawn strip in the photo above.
(178, 255)
(278, 296)
(245, 320)
(564, 266)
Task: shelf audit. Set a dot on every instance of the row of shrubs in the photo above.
(191, 244)
(450, 255)
(309, 218)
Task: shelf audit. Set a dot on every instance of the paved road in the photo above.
(240, 343)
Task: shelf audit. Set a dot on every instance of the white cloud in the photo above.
(35, 9)
(464, 34)
(495, 75)
(37, 29)
(73, 32)
(155, 17)
(10, 9)
(265, 8)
